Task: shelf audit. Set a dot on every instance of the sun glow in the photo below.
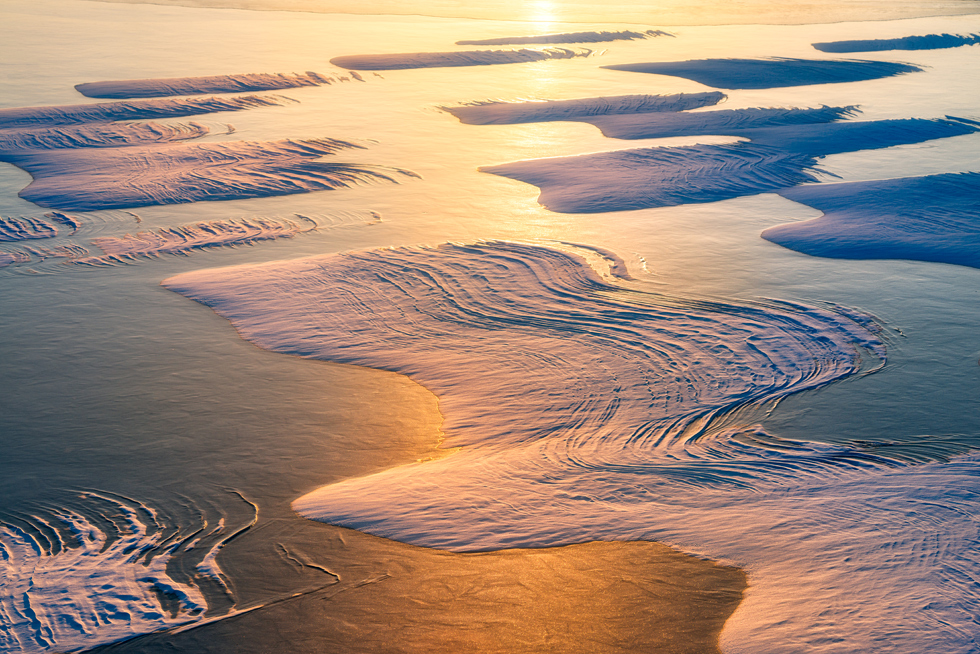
(542, 11)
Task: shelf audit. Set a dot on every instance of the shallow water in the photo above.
(113, 384)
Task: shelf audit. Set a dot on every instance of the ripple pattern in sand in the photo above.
(96, 135)
(106, 568)
(498, 112)
(775, 158)
(103, 112)
(158, 88)
(91, 179)
(586, 410)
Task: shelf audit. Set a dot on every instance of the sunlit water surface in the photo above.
(113, 384)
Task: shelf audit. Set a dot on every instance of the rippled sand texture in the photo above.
(725, 122)
(97, 164)
(770, 73)
(96, 135)
(570, 37)
(588, 411)
(75, 114)
(452, 59)
(105, 569)
(9, 258)
(934, 218)
(658, 177)
(597, 380)
(776, 158)
(581, 109)
(217, 233)
(157, 88)
(27, 228)
(927, 42)
(91, 179)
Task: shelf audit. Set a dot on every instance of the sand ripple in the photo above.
(776, 158)
(97, 135)
(106, 568)
(495, 112)
(27, 228)
(90, 179)
(725, 122)
(158, 88)
(589, 411)
(103, 112)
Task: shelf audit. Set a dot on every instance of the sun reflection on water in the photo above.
(542, 12)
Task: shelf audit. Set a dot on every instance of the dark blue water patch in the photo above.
(727, 121)
(105, 112)
(89, 179)
(496, 112)
(569, 37)
(927, 42)
(163, 87)
(770, 73)
(453, 59)
(933, 218)
(658, 177)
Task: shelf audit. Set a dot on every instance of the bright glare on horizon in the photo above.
(542, 11)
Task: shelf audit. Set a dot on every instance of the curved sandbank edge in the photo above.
(693, 595)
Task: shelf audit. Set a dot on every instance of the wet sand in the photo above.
(390, 597)
(338, 590)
